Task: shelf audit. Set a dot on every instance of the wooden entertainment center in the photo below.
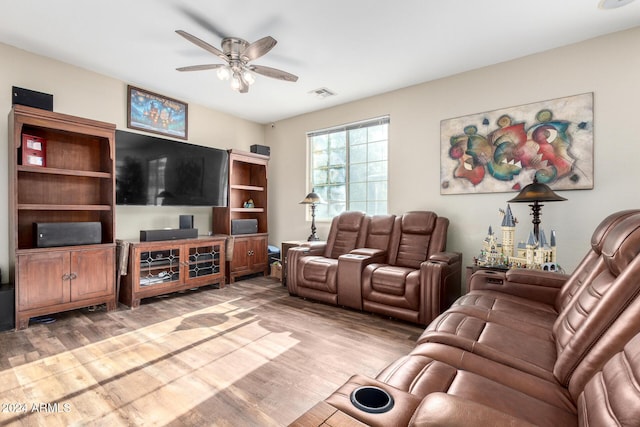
(74, 182)
(162, 267)
(62, 174)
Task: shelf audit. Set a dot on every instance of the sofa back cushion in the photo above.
(348, 231)
(411, 238)
(598, 303)
(592, 264)
(379, 232)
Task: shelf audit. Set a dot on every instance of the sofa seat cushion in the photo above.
(390, 285)
(517, 394)
(319, 273)
(427, 364)
(525, 347)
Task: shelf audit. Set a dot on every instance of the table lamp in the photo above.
(535, 193)
(312, 199)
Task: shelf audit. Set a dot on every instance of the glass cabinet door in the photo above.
(204, 260)
(159, 267)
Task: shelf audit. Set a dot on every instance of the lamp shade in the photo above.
(312, 198)
(537, 192)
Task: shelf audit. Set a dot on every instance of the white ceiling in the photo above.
(355, 48)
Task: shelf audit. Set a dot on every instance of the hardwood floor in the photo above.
(245, 355)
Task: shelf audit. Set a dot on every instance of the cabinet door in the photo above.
(259, 255)
(203, 262)
(241, 254)
(92, 273)
(43, 279)
(159, 267)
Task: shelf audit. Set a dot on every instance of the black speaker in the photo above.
(7, 307)
(51, 234)
(186, 221)
(168, 234)
(244, 226)
(31, 98)
(261, 149)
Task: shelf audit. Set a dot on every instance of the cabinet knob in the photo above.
(66, 277)
(73, 276)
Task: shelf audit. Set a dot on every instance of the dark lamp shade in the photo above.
(536, 192)
(312, 199)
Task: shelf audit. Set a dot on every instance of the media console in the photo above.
(162, 267)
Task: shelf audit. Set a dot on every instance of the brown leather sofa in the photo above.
(522, 348)
(391, 265)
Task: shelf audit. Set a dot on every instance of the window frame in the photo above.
(348, 166)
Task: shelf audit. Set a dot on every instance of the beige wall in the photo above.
(83, 93)
(608, 66)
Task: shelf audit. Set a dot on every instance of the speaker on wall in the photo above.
(186, 221)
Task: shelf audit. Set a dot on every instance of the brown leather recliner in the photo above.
(313, 268)
(419, 279)
(593, 347)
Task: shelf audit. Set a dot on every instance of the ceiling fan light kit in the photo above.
(237, 53)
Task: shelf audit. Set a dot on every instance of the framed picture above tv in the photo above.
(156, 113)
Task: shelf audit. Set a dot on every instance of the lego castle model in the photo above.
(535, 254)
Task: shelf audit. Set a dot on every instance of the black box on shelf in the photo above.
(52, 234)
(31, 98)
(261, 149)
(244, 226)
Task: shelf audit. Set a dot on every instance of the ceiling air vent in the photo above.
(323, 92)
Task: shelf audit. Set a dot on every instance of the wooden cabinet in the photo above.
(249, 255)
(71, 181)
(157, 268)
(247, 182)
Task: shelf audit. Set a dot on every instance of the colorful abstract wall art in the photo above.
(502, 150)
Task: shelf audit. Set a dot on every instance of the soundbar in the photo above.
(168, 234)
(52, 234)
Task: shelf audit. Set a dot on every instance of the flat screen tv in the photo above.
(162, 172)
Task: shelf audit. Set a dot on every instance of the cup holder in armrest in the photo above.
(373, 400)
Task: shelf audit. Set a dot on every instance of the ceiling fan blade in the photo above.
(258, 48)
(273, 73)
(201, 43)
(199, 19)
(201, 67)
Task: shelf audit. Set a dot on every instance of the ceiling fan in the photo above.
(237, 53)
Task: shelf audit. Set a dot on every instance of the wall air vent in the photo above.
(323, 92)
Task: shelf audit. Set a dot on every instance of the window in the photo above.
(349, 167)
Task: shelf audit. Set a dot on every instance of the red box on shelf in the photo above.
(34, 151)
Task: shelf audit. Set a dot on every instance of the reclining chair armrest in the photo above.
(447, 257)
(350, 267)
(536, 285)
(440, 276)
(293, 255)
(379, 255)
